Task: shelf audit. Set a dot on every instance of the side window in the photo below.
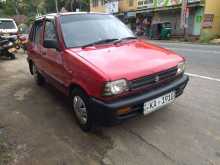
(36, 31)
(50, 31)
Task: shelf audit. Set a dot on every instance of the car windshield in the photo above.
(84, 29)
(7, 24)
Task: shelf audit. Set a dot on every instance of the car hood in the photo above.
(129, 60)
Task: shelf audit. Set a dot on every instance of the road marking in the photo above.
(203, 77)
(195, 50)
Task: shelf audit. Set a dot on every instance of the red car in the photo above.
(109, 74)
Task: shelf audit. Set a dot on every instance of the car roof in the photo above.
(53, 15)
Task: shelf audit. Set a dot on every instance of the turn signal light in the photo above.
(123, 111)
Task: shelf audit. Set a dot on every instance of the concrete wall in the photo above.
(212, 7)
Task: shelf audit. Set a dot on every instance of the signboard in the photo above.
(145, 3)
(111, 7)
(131, 14)
(164, 3)
(193, 1)
(161, 3)
(208, 20)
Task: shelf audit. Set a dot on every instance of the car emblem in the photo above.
(157, 79)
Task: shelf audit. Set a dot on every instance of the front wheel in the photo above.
(82, 110)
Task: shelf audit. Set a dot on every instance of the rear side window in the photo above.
(7, 24)
(36, 32)
(50, 31)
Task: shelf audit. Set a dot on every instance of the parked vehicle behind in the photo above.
(8, 47)
(8, 38)
(108, 74)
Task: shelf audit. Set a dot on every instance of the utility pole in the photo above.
(184, 18)
(56, 4)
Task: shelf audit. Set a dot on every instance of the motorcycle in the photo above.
(22, 41)
(8, 46)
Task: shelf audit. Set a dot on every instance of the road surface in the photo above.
(39, 124)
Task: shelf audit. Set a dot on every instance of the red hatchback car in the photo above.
(109, 74)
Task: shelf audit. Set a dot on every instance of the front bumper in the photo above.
(107, 111)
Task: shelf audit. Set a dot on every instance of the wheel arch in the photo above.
(73, 86)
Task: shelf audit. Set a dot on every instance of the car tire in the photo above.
(37, 76)
(80, 104)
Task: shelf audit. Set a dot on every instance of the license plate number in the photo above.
(158, 103)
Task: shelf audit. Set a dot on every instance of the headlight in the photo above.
(181, 68)
(115, 87)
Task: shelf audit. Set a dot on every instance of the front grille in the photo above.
(153, 79)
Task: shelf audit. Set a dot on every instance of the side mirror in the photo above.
(51, 44)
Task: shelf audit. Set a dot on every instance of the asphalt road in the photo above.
(39, 124)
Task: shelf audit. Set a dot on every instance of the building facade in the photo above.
(211, 20)
(203, 16)
(170, 11)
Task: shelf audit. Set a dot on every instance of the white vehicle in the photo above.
(8, 26)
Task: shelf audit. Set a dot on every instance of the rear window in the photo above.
(7, 24)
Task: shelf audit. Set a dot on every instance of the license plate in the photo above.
(158, 103)
(11, 50)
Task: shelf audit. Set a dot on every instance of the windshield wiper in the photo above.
(100, 42)
(122, 39)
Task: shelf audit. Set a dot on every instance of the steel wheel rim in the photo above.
(80, 109)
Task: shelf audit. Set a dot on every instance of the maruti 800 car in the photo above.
(108, 73)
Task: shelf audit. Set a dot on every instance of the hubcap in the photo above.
(80, 109)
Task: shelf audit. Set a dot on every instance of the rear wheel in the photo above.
(82, 110)
(37, 76)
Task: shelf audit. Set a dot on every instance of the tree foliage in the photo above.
(32, 8)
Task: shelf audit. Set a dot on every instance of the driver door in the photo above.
(52, 57)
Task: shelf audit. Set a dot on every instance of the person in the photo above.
(139, 26)
(147, 26)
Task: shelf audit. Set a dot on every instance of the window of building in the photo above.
(102, 2)
(95, 3)
(131, 2)
(140, 3)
